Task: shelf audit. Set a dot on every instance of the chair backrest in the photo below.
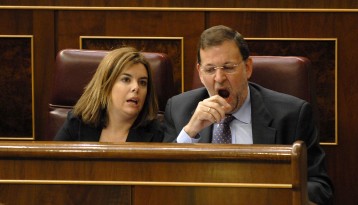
(286, 74)
(75, 68)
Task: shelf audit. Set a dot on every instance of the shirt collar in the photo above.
(244, 113)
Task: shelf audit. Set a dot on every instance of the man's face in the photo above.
(222, 80)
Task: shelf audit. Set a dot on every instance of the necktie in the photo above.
(222, 133)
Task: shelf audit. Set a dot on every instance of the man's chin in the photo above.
(234, 104)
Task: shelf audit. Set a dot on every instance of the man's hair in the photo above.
(92, 105)
(216, 35)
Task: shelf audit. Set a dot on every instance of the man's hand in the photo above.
(209, 111)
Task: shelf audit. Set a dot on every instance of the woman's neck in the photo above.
(117, 130)
(116, 134)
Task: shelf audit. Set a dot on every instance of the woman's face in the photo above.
(129, 92)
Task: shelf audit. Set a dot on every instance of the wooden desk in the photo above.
(138, 173)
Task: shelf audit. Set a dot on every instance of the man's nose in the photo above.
(220, 75)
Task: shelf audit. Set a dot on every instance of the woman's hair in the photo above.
(216, 35)
(92, 105)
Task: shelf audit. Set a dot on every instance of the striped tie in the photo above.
(222, 133)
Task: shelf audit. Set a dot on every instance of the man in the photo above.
(261, 116)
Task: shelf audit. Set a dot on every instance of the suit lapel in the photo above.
(262, 133)
(205, 135)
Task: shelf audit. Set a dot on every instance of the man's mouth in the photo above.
(224, 93)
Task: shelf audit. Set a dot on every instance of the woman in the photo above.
(118, 104)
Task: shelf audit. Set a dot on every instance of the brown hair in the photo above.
(216, 35)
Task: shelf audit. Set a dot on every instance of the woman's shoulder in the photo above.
(154, 125)
(72, 117)
(151, 131)
(69, 127)
(74, 129)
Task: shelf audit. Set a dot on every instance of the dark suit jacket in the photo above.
(75, 130)
(277, 118)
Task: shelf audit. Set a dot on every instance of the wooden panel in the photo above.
(331, 25)
(100, 170)
(197, 3)
(56, 28)
(74, 24)
(15, 22)
(172, 46)
(44, 61)
(322, 54)
(16, 76)
(55, 194)
(261, 174)
(38, 24)
(237, 196)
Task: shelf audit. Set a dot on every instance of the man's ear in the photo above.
(248, 67)
(200, 75)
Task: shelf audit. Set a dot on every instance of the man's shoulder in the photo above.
(270, 95)
(278, 105)
(193, 94)
(187, 101)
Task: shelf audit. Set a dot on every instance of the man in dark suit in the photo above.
(261, 116)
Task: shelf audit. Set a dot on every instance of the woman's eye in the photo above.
(143, 83)
(125, 79)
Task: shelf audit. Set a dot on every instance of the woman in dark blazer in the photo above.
(118, 104)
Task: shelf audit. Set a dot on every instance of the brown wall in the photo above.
(57, 25)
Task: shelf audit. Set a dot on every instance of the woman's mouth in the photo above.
(135, 101)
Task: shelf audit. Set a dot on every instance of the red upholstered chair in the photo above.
(75, 68)
(289, 74)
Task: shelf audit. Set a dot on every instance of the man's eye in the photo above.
(228, 67)
(209, 69)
